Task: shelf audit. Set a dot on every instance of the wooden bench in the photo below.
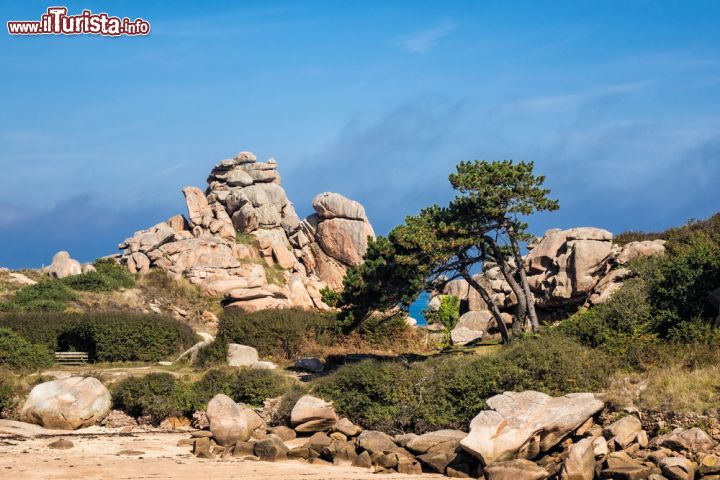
(71, 358)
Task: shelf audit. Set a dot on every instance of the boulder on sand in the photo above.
(67, 404)
(230, 422)
(525, 424)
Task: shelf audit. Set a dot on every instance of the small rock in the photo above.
(338, 436)
(271, 449)
(312, 414)
(363, 460)
(623, 431)
(309, 364)
(61, 444)
(243, 449)
(677, 468)
(347, 428)
(515, 470)
(376, 442)
(283, 432)
(130, 453)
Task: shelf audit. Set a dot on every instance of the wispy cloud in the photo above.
(425, 40)
(553, 102)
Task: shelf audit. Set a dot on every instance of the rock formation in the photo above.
(525, 424)
(566, 269)
(243, 228)
(63, 266)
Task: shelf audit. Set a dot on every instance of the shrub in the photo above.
(156, 396)
(448, 391)
(282, 334)
(386, 332)
(446, 315)
(8, 386)
(107, 337)
(16, 353)
(108, 276)
(249, 386)
(46, 295)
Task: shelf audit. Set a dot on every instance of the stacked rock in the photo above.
(244, 199)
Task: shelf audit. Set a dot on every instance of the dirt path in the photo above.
(96, 454)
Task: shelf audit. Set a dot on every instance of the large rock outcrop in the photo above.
(564, 266)
(242, 227)
(566, 269)
(525, 424)
(67, 404)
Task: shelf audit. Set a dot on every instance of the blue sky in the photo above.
(617, 102)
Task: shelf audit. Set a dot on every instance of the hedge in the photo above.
(107, 337)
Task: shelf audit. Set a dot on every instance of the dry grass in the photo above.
(672, 389)
(696, 390)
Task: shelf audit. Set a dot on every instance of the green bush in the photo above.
(8, 386)
(448, 391)
(107, 337)
(16, 353)
(108, 276)
(384, 332)
(447, 316)
(155, 396)
(248, 386)
(46, 295)
(281, 334)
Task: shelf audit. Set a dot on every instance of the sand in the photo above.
(24, 454)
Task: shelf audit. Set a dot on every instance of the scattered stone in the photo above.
(242, 449)
(312, 414)
(130, 453)
(271, 449)
(283, 433)
(691, 439)
(309, 364)
(318, 441)
(677, 468)
(118, 419)
(62, 444)
(363, 460)
(520, 469)
(580, 461)
(425, 442)
(623, 431)
(376, 442)
(347, 428)
(201, 448)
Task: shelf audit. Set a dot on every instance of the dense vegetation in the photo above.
(17, 353)
(290, 333)
(107, 337)
(54, 294)
(449, 390)
(160, 395)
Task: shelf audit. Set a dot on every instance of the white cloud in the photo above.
(425, 40)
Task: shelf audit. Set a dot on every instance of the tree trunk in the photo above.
(521, 308)
(523, 279)
(488, 301)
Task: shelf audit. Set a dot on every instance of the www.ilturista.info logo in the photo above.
(56, 21)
